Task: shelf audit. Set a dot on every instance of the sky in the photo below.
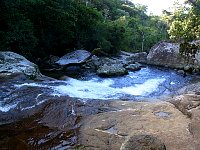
(156, 6)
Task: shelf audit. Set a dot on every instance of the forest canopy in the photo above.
(38, 28)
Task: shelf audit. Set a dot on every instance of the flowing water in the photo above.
(148, 83)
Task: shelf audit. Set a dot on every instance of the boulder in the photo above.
(166, 54)
(133, 67)
(112, 70)
(143, 142)
(12, 63)
(137, 57)
(109, 61)
(74, 57)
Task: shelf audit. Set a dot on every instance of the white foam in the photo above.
(95, 89)
(144, 89)
(102, 90)
(172, 83)
(30, 84)
(6, 108)
(92, 89)
(86, 89)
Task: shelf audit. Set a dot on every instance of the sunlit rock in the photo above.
(143, 142)
(168, 54)
(11, 62)
(74, 57)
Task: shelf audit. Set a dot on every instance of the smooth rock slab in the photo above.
(133, 119)
(143, 142)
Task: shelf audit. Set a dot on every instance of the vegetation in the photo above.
(184, 21)
(184, 27)
(38, 28)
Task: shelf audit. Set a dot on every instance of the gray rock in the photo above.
(77, 56)
(143, 142)
(182, 72)
(11, 63)
(137, 57)
(166, 54)
(112, 70)
(133, 67)
(188, 68)
(52, 59)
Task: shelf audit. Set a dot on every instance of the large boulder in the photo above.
(74, 57)
(166, 54)
(112, 70)
(11, 63)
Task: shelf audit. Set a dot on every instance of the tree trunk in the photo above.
(143, 39)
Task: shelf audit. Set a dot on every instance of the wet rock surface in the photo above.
(112, 70)
(134, 67)
(11, 63)
(137, 57)
(39, 120)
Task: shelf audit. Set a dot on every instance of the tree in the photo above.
(184, 22)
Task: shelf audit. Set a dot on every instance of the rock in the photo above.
(110, 61)
(52, 59)
(166, 54)
(74, 57)
(112, 70)
(182, 72)
(137, 57)
(143, 142)
(189, 105)
(13, 63)
(188, 68)
(133, 67)
(139, 121)
(93, 63)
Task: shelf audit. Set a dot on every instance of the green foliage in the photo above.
(184, 22)
(37, 28)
